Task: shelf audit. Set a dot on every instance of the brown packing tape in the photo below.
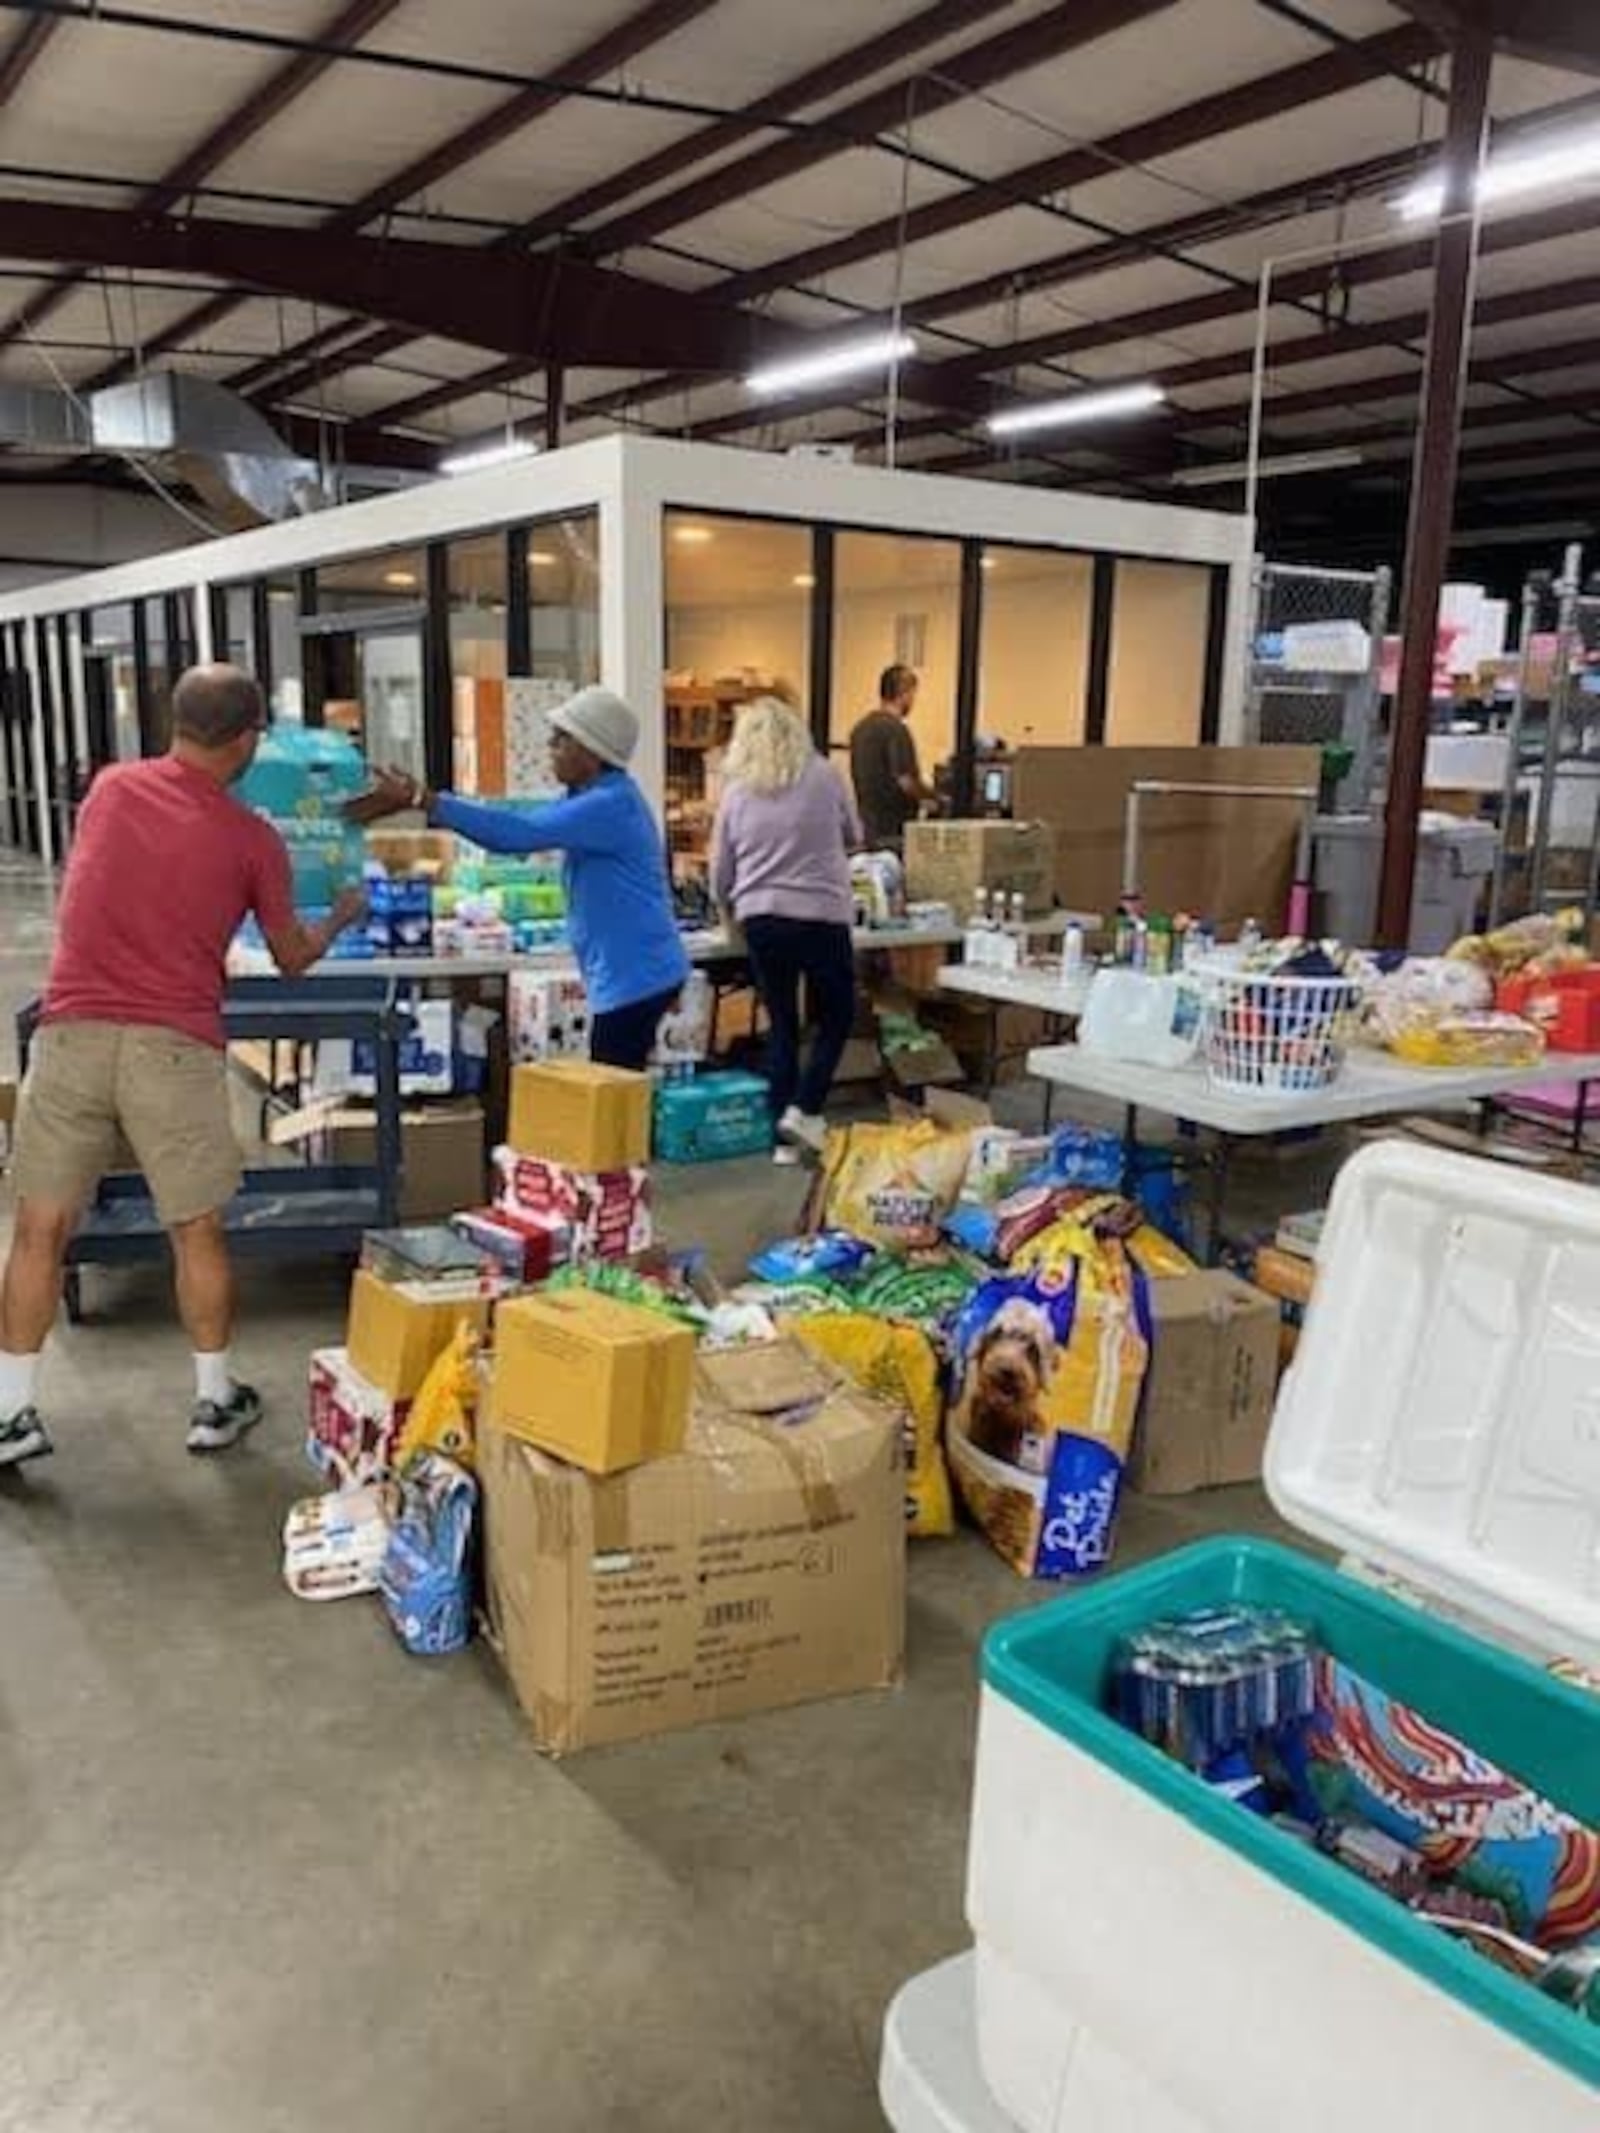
(806, 1464)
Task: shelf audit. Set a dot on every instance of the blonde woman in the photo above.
(780, 861)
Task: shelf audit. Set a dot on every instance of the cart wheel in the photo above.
(72, 1292)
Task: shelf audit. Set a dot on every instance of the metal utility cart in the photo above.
(288, 1211)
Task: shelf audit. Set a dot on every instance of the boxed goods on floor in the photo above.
(708, 1116)
(441, 1150)
(1212, 1380)
(581, 1116)
(1417, 1937)
(353, 1426)
(602, 1214)
(397, 1330)
(949, 862)
(763, 1565)
(601, 1383)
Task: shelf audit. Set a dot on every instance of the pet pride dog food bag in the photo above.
(1050, 1367)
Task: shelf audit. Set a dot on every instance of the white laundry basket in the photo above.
(1274, 1035)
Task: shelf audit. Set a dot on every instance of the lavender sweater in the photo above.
(786, 854)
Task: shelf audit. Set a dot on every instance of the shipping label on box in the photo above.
(763, 1565)
(1212, 1383)
(352, 1427)
(547, 1016)
(607, 1213)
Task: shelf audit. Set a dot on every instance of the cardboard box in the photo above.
(606, 1213)
(764, 1565)
(352, 1427)
(441, 1150)
(427, 852)
(396, 1332)
(601, 1383)
(1213, 1379)
(948, 862)
(582, 1116)
(547, 1013)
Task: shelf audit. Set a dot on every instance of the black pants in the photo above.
(783, 951)
(626, 1036)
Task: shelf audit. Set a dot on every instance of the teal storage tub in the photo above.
(711, 1118)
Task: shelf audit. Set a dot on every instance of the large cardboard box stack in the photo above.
(949, 862)
(762, 1565)
(578, 1143)
(594, 1381)
(1213, 1379)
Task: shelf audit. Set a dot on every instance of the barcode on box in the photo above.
(738, 1614)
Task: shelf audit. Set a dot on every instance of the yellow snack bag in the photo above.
(896, 1364)
(444, 1415)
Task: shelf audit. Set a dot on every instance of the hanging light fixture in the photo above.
(845, 359)
(1507, 177)
(1076, 408)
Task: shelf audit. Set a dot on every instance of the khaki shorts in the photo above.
(89, 1081)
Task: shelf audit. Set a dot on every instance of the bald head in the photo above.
(215, 706)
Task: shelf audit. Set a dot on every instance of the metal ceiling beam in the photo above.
(1560, 33)
(242, 124)
(548, 306)
(647, 26)
(23, 53)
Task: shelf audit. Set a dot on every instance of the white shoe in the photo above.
(785, 1156)
(804, 1127)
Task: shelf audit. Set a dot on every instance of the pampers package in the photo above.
(300, 780)
(1050, 1367)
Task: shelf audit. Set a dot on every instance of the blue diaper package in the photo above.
(300, 780)
(426, 1579)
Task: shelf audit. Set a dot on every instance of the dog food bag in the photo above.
(898, 1366)
(831, 1252)
(893, 1184)
(444, 1415)
(1050, 1367)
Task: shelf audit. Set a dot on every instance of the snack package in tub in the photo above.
(426, 1579)
(1050, 1368)
(893, 1184)
(1486, 1039)
(896, 1364)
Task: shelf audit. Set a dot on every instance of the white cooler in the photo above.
(1151, 1956)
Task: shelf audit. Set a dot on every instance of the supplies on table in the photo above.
(762, 1565)
(603, 1214)
(349, 1066)
(425, 1579)
(710, 1117)
(398, 1329)
(600, 1383)
(1140, 1017)
(878, 888)
(547, 1016)
(334, 1545)
(399, 913)
(427, 855)
(1278, 1017)
(1428, 1430)
(580, 1116)
(300, 779)
(683, 1035)
(1212, 1380)
(953, 861)
(353, 1426)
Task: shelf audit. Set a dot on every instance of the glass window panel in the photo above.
(160, 672)
(283, 649)
(395, 577)
(564, 598)
(897, 600)
(368, 678)
(239, 629)
(738, 625)
(1157, 682)
(477, 581)
(111, 640)
(1033, 665)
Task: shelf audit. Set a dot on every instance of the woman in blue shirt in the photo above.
(619, 899)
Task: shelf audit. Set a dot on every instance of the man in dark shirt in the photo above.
(883, 761)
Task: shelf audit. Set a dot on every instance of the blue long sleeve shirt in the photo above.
(619, 902)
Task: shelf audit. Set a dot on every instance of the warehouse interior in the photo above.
(1199, 401)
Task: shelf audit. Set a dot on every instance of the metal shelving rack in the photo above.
(1293, 704)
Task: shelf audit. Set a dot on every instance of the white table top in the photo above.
(1373, 1085)
(1040, 988)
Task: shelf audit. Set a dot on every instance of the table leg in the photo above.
(991, 1047)
(1216, 1199)
(1580, 1118)
(1130, 1151)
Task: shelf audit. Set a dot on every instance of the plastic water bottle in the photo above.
(1072, 954)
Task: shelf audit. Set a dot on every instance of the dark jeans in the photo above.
(625, 1036)
(782, 952)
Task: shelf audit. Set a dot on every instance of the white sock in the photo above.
(213, 1376)
(18, 1375)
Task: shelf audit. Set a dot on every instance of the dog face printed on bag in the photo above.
(1007, 1378)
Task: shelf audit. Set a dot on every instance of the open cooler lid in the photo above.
(1442, 1418)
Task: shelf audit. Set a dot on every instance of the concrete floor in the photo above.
(260, 1870)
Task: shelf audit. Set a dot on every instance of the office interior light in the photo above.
(843, 360)
(501, 454)
(1509, 176)
(1233, 471)
(1075, 408)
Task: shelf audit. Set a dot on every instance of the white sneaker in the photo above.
(785, 1156)
(805, 1127)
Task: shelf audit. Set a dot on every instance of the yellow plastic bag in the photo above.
(896, 1363)
(444, 1415)
(893, 1184)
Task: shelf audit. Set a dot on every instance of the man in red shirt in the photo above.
(164, 867)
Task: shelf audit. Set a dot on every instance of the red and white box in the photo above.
(607, 1211)
(524, 1247)
(547, 1016)
(354, 1427)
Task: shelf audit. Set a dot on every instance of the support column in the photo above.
(555, 394)
(1433, 481)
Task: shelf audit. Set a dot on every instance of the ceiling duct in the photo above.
(216, 443)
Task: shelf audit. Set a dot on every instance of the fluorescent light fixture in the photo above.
(691, 536)
(402, 580)
(1507, 177)
(986, 562)
(803, 579)
(873, 352)
(542, 559)
(1077, 407)
(477, 458)
(1234, 471)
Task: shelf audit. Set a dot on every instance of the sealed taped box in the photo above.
(948, 862)
(582, 1116)
(763, 1565)
(1212, 1381)
(602, 1383)
(397, 1330)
